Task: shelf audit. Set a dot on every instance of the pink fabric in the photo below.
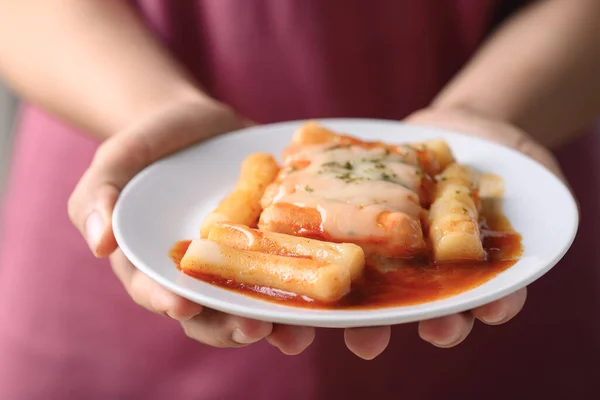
(68, 330)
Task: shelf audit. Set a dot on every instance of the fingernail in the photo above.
(495, 318)
(240, 338)
(94, 227)
(449, 341)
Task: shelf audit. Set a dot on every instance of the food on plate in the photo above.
(242, 205)
(244, 238)
(308, 267)
(454, 216)
(312, 133)
(349, 222)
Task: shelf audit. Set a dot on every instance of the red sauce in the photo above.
(403, 282)
(178, 251)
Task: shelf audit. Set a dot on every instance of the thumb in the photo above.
(91, 204)
(122, 156)
(96, 226)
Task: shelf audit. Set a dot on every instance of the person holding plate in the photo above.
(112, 86)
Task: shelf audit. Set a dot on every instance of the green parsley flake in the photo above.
(339, 146)
(387, 177)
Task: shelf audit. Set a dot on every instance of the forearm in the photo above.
(540, 71)
(90, 62)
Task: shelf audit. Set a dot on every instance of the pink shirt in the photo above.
(69, 331)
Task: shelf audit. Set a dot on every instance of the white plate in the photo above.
(168, 200)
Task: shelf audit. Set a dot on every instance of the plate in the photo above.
(167, 202)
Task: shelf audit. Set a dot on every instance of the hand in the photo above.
(117, 160)
(451, 330)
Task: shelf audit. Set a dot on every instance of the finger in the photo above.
(91, 203)
(503, 310)
(90, 210)
(125, 154)
(447, 331)
(149, 294)
(368, 343)
(218, 329)
(291, 340)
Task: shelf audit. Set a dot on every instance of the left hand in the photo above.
(451, 330)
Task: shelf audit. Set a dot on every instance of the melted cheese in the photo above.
(351, 186)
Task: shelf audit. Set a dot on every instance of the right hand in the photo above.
(91, 205)
(117, 160)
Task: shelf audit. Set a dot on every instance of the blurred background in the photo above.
(8, 107)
